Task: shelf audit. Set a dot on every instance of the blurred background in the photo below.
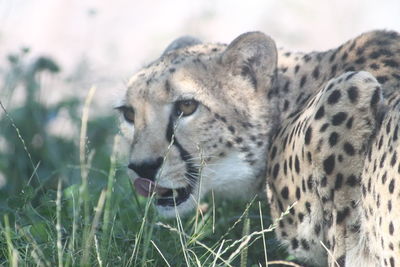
(53, 51)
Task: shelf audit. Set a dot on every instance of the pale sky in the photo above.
(110, 40)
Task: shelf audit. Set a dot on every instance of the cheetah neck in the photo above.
(300, 76)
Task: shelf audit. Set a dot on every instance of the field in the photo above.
(67, 201)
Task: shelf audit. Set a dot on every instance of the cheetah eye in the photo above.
(128, 113)
(186, 107)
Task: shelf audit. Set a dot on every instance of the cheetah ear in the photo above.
(253, 55)
(181, 42)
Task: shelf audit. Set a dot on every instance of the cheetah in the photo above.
(316, 129)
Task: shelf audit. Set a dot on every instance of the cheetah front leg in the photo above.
(380, 216)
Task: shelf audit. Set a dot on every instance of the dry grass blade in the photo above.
(96, 244)
(58, 225)
(159, 251)
(37, 253)
(110, 184)
(84, 162)
(82, 143)
(330, 254)
(10, 246)
(246, 232)
(182, 235)
(95, 223)
(263, 235)
(20, 138)
(286, 263)
(217, 255)
(246, 239)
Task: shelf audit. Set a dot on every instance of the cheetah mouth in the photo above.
(164, 196)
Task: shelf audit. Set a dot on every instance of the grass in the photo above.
(70, 203)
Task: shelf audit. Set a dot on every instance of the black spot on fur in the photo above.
(344, 56)
(333, 138)
(352, 180)
(309, 157)
(391, 260)
(374, 66)
(382, 79)
(308, 207)
(338, 118)
(324, 127)
(332, 57)
(349, 149)
(394, 159)
(334, 97)
(381, 52)
(297, 164)
(341, 261)
(298, 193)
(285, 192)
(301, 217)
(360, 60)
(285, 105)
(296, 69)
(388, 126)
(348, 77)
(303, 80)
(396, 76)
(338, 181)
(391, 186)
(320, 113)
(341, 215)
(275, 171)
(305, 244)
(247, 71)
(330, 86)
(349, 123)
(391, 228)
(315, 73)
(295, 243)
(273, 152)
(310, 182)
(307, 58)
(384, 178)
(286, 87)
(390, 63)
(307, 137)
(333, 70)
(329, 164)
(352, 93)
(317, 229)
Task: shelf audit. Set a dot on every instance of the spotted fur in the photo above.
(321, 127)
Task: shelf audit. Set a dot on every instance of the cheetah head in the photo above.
(198, 120)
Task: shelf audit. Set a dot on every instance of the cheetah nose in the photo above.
(147, 168)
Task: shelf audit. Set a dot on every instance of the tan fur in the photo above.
(259, 115)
